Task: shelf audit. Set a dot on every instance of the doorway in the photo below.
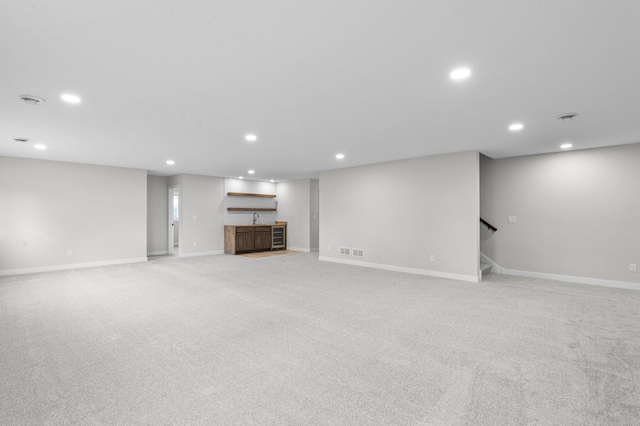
(173, 246)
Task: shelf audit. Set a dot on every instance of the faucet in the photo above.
(256, 216)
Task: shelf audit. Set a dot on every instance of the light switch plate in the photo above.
(512, 219)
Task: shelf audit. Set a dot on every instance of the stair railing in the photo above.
(488, 225)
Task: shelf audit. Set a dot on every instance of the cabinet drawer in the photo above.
(263, 229)
(244, 229)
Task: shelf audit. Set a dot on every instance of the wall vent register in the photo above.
(358, 252)
(345, 251)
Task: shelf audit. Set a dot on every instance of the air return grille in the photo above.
(358, 252)
(345, 251)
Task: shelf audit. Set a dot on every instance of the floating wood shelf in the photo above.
(247, 194)
(249, 209)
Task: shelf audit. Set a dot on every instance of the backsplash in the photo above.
(242, 218)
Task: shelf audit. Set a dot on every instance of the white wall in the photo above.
(157, 214)
(577, 212)
(294, 207)
(49, 207)
(402, 212)
(201, 214)
(250, 187)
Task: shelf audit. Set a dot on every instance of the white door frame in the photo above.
(170, 243)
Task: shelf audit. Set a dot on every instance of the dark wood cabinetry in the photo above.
(263, 238)
(245, 239)
(249, 238)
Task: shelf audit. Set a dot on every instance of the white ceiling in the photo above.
(186, 80)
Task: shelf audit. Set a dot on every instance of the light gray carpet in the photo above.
(289, 340)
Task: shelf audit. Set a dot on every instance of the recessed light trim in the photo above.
(251, 172)
(460, 74)
(72, 99)
(566, 145)
(171, 162)
(272, 181)
(251, 138)
(31, 100)
(567, 116)
(340, 156)
(515, 127)
(241, 177)
(40, 146)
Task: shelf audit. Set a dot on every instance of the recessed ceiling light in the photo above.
(272, 180)
(31, 100)
(251, 138)
(339, 156)
(566, 145)
(567, 116)
(240, 177)
(251, 172)
(171, 162)
(460, 73)
(21, 139)
(72, 99)
(516, 126)
(40, 146)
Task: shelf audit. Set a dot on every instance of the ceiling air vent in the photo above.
(31, 100)
(345, 251)
(21, 139)
(568, 116)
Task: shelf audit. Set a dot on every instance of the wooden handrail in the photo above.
(488, 225)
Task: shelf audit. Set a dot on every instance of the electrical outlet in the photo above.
(194, 217)
(69, 252)
(633, 267)
(432, 258)
(195, 244)
(328, 248)
(512, 219)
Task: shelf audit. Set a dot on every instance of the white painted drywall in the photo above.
(250, 187)
(49, 207)
(157, 214)
(202, 197)
(402, 212)
(577, 212)
(294, 207)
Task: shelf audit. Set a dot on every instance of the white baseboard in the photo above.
(53, 268)
(306, 250)
(427, 272)
(497, 269)
(573, 279)
(157, 253)
(201, 253)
